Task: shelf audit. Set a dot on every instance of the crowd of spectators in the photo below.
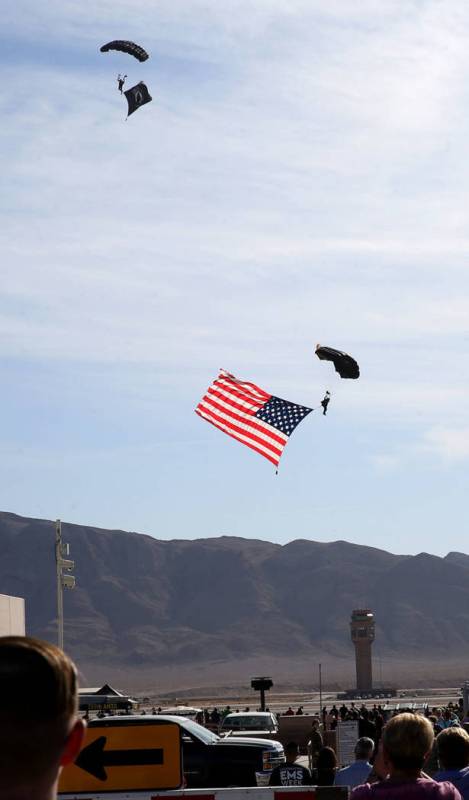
(398, 755)
(427, 753)
(406, 755)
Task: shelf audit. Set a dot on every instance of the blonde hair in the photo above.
(452, 747)
(407, 738)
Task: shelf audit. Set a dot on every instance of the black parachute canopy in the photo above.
(126, 47)
(137, 96)
(344, 364)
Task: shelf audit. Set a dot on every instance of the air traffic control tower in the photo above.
(362, 629)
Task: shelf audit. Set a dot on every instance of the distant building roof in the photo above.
(106, 689)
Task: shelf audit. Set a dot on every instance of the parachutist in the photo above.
(120, 82)
(325, 402)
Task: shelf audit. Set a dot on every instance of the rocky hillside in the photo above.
(157, 607)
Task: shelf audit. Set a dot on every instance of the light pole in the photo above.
(320, 692)
(67, 581)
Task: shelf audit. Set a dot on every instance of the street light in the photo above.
(67, 581)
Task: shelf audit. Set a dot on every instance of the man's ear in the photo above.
(73, 743)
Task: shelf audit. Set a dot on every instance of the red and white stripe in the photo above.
(250, 793)
(230, 405)
(258, 793)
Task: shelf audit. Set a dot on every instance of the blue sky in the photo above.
(300, 177)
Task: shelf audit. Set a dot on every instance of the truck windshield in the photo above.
(241, 722)
(199, 731)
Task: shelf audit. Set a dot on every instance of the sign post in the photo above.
(347, 736)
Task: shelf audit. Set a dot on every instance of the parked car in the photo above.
(261, 724)
(182, 711)
(212, 761)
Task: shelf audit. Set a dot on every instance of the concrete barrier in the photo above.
(249, 793)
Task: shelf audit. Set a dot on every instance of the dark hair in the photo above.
(38, 702)
(364, 747)
(452, 747)
(327, 758)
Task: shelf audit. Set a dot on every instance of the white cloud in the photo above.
(312, 188)
(300, 176)
(386, 462)
(439, 444)
(450, 444)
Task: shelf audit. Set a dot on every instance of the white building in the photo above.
(12, 618)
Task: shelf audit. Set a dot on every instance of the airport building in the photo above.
(12, 616)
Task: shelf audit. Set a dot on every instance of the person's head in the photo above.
(39, 727)
(327, 758)
(452, 748)
(364, 748)
(315, 724)
(291, 752)
(407, 740)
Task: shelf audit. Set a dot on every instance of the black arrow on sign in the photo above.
(94, 758)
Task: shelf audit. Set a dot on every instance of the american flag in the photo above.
(254, 417)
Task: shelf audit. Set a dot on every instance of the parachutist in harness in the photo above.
(120, 82)
(325, 402)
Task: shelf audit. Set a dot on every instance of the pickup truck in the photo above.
(212, 761)
(260, 724)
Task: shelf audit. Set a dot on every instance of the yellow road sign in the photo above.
(126, 756)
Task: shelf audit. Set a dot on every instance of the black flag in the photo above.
(137, 96)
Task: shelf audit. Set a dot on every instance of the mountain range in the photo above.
(215, 611)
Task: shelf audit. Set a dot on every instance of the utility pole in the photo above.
(67, 581)
(320, 692)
